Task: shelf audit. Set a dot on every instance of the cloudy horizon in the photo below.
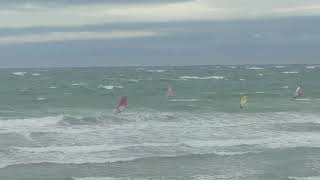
(42, 33)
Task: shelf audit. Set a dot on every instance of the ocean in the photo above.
(60, 124)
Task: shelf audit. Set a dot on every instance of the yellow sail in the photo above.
(243, 102)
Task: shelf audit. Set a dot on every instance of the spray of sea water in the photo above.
(60, 124)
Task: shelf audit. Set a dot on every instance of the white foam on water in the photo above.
(242, 79)
(285, 87)
(233, 153)
(290, 72)
(156, 70)
(217, 177)
(279, 66)
(260, 92)
(52, 87)
(305, 178)
(61, 159)
(79, 84)
(201, 78)
(184, 100)
(190, 133)
(284, 140)
(35, 74)
(260, 74)
(311, 67)
(112, 178)
(133, 80)
(30, 122)
(19, 73)
(254, 68)
(78, 154)
(26, 126)
(109, 87)
(303, 99)
(96, 178)
(232, 67)
(88, 149)
(69, 149)
(41, 99)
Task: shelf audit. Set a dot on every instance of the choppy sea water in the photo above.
(59, 124)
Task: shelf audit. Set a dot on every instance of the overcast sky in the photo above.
(42, 33)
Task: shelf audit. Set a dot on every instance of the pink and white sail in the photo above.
(169, 92)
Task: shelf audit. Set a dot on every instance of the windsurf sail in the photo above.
(122, 105)
(243, 102)
(298, 92)
(169, 92)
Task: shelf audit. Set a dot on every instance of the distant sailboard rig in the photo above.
(122, 104)
(243, 102)
(169, 92)
(298, 92)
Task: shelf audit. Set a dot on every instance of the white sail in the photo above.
(298, 92)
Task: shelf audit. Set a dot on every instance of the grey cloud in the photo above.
(77, 2)
(229, 42)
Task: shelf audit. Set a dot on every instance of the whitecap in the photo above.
(79, 84)
(89, 148)
(132, 80)
(303, 99)
(201, 78)
(17, 125)
(284, 140)
(109, 87)
(242, 79)
(290, 72)
(279, 66)
(184, 100)
(77, 154)
(35, 74)
(311, 67)
(233, 153)
(156, 70)
(113, 178)
(232, 67)
(19, 73)
(304, 178)
(285, 87)
(52, 87)
(103, 178)
(260, 74)
(254, 68)
(40, 99)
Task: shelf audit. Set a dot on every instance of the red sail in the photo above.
(122, 104)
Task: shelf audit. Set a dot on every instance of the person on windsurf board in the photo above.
(169, 92)
(298, 92)
(243, 102)
(122, 104)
